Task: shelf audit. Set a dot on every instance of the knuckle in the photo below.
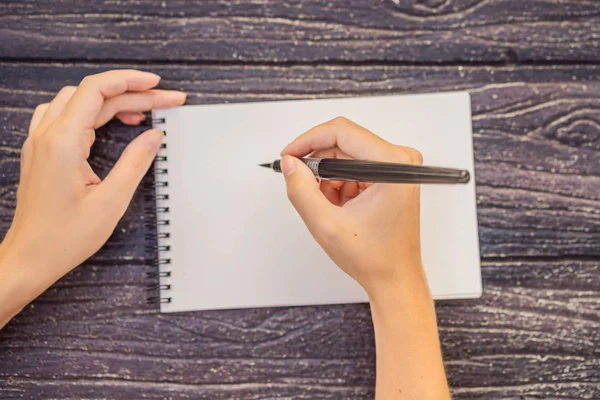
(341, 120)
(88, 81)
(40, 108)
(409, 155)
(67, 90)
(27, 146)
(416, 156)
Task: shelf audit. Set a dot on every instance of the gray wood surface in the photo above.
(304, 30)
(534, 334)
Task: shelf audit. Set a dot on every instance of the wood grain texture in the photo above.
(525, 337)
(536, 144)
(534, 334)
(303, 30)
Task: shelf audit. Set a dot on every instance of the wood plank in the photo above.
(534, 334)
(303, 30)
(536, 144)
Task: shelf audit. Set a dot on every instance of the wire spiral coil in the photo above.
(157, 223)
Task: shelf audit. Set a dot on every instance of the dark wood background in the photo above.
(533, 68)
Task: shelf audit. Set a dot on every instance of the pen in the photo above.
(372, 171)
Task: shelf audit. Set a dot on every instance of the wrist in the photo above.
(395, 306)
(19, 285)
(406, 286)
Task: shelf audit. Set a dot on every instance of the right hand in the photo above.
(371, 231)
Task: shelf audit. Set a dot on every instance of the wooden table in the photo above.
(532, 68)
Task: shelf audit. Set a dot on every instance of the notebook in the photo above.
(229, 238)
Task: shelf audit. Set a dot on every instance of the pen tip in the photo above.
(266, 165)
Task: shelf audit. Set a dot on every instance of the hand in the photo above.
(369, 231)
(65, 213)
(372, 233)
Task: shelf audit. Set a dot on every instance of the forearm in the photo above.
(409, 359)
(18, 284)
(10, 291)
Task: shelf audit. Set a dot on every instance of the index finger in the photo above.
(354, 140)
(86, 103)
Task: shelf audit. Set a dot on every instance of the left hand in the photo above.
(65, 213)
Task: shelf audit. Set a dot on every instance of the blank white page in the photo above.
(236, 241)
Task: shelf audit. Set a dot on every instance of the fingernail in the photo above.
(154, 139)
(176, 96)
(155, 75)
(288, 166)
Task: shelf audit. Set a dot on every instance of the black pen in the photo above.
(372, 171)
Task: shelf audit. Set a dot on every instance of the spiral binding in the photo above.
(158, 235)
(153, 121)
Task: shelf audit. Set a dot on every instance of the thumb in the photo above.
(306, 196)
(120, 184)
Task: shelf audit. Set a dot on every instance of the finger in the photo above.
(362, 186)
(55, 108)
(332, 152)
(335, 184)
(38, 113)
(348, 191)
(130, 118)
(329, 189)
(137, 102)
(84, 107)
(306, 197)
(118, 187)
(351, 138)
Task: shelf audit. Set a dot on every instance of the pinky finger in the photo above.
(130, 118)
(348, 191)
(330, 191)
